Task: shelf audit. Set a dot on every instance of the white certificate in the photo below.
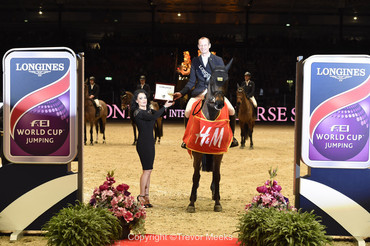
(164, 92)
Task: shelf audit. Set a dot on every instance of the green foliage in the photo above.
(82, 225)
(271, 227)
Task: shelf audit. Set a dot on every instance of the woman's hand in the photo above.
(168, 104)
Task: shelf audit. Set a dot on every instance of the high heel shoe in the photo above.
(142, 201)
(147, 204)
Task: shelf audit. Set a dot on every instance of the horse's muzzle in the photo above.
(219, 104)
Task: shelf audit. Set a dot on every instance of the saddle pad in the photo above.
(206, 136)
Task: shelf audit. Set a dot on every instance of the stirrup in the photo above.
(183, 145)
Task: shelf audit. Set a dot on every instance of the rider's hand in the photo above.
(176, 95)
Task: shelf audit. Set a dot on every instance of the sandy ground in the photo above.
(242, 171)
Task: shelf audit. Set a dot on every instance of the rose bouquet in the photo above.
(119, 201)
(270, 196)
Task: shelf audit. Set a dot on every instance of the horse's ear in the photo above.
(229, 64)
(237, 84)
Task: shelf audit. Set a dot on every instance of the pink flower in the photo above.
(276, 187)
(114, 201)
(128, 216)
(123, 187)
(103, 187)
(266, 198)
(262, 189)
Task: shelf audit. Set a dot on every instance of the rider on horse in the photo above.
(94, 89)
(200, 74)
(249, 88)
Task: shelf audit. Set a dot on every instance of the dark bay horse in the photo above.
(246, 117)
(91, 118)
(211, 106)
(126, 98)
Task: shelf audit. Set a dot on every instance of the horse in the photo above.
(90, 116)
(210, 108)
(246, 117)
(126, 98)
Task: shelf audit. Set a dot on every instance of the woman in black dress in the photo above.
(145, 118)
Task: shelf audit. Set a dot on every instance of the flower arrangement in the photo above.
(271, 220)
(119, 201)
(270, 196)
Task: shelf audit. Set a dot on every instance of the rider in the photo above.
(94, 94)
(200, 73)
(249, 87)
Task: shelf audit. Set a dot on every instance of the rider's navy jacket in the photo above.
(199, 74)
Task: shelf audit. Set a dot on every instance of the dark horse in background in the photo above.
(211, 106)
(246, 117)
(126, 98)
(91, 118)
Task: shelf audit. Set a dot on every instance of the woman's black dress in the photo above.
(145, 143)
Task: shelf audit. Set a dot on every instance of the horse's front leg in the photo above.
(196, 177)
(97, 131)
(91, 133)
(250, 133)
(242, 135)
(216, 177)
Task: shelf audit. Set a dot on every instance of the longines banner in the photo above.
(40, 105)
(336, 111)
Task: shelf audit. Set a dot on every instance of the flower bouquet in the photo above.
(119, 201)
(271, 220)
(270, 196)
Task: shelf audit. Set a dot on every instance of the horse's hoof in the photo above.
(104, 142)
(96, 142)
(91, 143)
(190, 209)
(217, 208)
(242, 146)
(251, 147)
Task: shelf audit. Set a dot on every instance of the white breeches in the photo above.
(97, 102)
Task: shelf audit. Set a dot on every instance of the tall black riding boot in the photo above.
(97, 111)
(183, 145)
(234, 143)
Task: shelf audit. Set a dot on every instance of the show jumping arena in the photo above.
(242, 170)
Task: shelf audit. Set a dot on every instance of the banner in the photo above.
(336, 111)
(40, 105)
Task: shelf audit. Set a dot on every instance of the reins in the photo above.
(199, 108)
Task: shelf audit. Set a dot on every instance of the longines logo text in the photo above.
(341, 73)
(39, 68)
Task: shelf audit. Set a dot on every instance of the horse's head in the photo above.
(239, 94)
(217, 85)
(125, 100)
(86, 91)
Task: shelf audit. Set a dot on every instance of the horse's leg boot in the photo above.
(232, 122)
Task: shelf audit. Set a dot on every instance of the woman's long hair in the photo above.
(134, 105)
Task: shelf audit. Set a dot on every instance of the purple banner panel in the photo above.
(336, 111)
(40, 105)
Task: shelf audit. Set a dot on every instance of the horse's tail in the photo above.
(101, 125)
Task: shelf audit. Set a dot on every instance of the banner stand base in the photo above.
(360, 241)
(16, 235)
